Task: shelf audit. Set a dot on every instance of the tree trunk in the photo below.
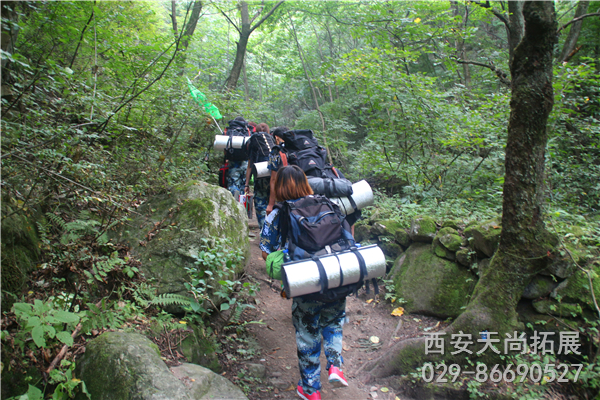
(515, 27)
(245, 32)
(174, 17)
(524, 241)
(246, 86)
(573, 35)
(10, 29)
(190, 27)
(459, 44)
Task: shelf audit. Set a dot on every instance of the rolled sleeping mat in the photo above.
(236, 141)
(303, 277)
(330, 187)
(362, 196)
(260, 170)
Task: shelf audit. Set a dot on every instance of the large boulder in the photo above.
(168, 235)
(485, 237)
(121, 365)
(431, 285)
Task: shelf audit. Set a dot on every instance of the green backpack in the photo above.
(273, 263)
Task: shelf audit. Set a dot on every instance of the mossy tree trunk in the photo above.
(524, 241)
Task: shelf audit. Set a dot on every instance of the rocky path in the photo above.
(275, 339)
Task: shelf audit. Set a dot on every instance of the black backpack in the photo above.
(300, 139)
(311, 160)
(237, 128)
(261, 144)
(314, 226)
(302, 149)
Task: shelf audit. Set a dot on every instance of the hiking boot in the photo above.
(315, 396)
(336, 377)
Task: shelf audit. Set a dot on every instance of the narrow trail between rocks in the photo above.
(276, 342)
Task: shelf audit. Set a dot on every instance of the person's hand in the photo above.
(247, 189)
(269, 209)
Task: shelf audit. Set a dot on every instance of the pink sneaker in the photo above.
(315, 396)
(336, 377)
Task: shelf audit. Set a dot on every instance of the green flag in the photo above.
(200, 98)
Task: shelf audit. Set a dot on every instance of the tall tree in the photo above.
(190, 26)
(569, 47)
(245, 30)
(524, 242)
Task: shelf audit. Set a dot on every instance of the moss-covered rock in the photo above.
(431, 285)
(401, 236)
(465, 256)
(168, 234)
(422, 229)
(390, 227)
(482, 265)
(485, 237)
(362, 232)
(450, 223)
(538, 287)
(200, 349)
(390, 248)
(563, 310)
(446, 243)
(563, 266)
(205, 384)
(119, 365)
(576, 289)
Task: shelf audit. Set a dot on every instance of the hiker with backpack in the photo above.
(236, 160)
(318, 317)
(275, 163)
(259, 148)
(300, 147)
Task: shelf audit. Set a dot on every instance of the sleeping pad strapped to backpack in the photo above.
(314, 226)
(237, 128)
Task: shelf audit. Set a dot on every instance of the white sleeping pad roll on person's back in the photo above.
(261, 170)
(236, 141)
(303, 277)
(362, 196)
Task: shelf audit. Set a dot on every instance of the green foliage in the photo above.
(214, 275)
(41, 321)
(66, 385)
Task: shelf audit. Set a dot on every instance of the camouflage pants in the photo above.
(261, 199)
(236, 177)
(313, 320)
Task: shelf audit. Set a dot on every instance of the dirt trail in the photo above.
(277, 344)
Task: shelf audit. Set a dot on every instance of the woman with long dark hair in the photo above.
(316, 322)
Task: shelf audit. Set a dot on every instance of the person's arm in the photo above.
(271, 193)
(248, 173)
